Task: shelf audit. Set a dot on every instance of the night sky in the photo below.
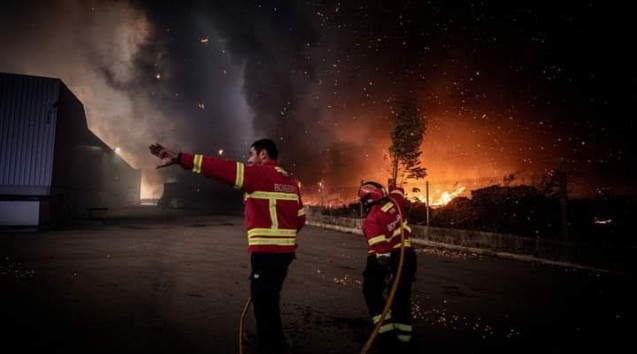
(506, 87)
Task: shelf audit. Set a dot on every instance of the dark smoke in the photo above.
(508, 88)
(273, 43)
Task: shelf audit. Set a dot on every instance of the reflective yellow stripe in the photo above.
(376, 239)
(238, 181)
(403, 327)
(274, 195)
(273, 216)
(282, 171)
(376, 318)
(387, 326)
(397, 191)
(272, 198)
(196, 163)
(274, 230)
(397, 231)
(407, 244)
(387, 206)
(301, 212)
(264, 241)
(271, 232)
(404, 338)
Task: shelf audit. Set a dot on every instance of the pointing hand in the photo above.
(167, 156)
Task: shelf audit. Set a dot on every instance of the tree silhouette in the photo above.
(406, 138)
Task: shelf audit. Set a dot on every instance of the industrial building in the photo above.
(52, 167)
(193, 192)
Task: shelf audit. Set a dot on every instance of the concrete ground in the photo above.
(165, 282)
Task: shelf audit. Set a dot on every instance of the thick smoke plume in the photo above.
(503, 91)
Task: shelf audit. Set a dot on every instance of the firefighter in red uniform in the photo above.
(382, 229)
(274, 215)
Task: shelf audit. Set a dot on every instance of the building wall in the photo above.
(28, 111)
(87, 172)
(49, 156)
(192, 191)
(19, 212)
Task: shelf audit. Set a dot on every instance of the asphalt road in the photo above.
(177, 284)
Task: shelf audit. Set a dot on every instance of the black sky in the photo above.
(507, 87)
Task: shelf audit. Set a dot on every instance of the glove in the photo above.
(383, 258)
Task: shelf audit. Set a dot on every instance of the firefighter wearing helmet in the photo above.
(382, 229)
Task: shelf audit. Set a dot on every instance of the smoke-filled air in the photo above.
(325, 79)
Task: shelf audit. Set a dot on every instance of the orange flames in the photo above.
(438, 197)
(343, 196)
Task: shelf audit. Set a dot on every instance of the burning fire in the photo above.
(150, 189)
(440, 197)
(336, 197)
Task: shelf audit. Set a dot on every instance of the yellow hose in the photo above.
(390, 298)
(243, 316)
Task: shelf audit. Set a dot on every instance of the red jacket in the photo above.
(273, 208)
(382, 224)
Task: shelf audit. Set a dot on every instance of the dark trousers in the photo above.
(268, 273)
(401, 307)
(377, 281)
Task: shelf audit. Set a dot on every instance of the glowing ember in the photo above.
(347, 280)
(602, 221)
(440, 316)
(158, 76)
(204, 40)
(15, 270)
(449, 253)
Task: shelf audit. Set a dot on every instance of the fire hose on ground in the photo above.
(243, 316)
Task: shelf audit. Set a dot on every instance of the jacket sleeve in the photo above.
(397, 194)
(234, 173)
(301, 218)
(377, 240)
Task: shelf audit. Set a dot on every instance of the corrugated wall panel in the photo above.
(27, 131)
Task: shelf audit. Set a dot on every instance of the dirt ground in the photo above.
(176, 283)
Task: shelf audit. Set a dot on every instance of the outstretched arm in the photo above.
(300, 216)
(231, 172)
(167, 156)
